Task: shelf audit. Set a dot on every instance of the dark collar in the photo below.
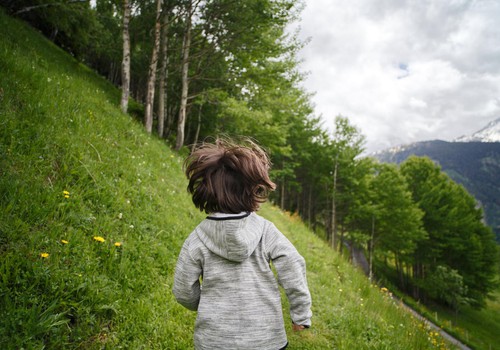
(230, 217)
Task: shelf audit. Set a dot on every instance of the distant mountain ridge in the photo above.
(490, 133)
(475, 164)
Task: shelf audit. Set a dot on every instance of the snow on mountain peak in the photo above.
(490, 133)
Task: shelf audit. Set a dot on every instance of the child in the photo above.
(223, 271)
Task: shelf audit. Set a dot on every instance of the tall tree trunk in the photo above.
(126, 58)
(198, 127)
(171, 111)
(162, 89)
(309, 208)
(334, 207)
(282, 196)
(298, 208)
(148, 116)
(328, 217)
(185, 82)
(370, 249)
(341, 240)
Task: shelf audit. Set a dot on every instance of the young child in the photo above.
(223, 271)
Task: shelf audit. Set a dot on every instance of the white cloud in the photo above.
(417, 103)
(404, 71)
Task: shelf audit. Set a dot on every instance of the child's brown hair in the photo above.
(228, 177)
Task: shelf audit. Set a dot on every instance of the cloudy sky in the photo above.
(403, 70)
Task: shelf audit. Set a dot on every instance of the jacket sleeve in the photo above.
(291, 269)
(187, 275)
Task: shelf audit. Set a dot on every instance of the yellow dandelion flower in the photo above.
(384, 290)
(44, 255)
(99, 239)
(118, 244)
(63, 241)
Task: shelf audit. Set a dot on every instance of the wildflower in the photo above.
(120, 216)
(384, 290)
(66, 194)
(99, 239)
(44, 255)
(118, 244)
(340, 290)
(63, 241)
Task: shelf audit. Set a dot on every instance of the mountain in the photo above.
(475, 164)
(490, 133)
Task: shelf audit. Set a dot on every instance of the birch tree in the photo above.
(186, 44)
(126, 57)
(148, 115)
(162, 88)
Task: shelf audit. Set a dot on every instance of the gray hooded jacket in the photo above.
(224, 273)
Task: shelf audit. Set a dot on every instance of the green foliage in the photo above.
(475, 165)
(447, 285)
(457, 237)
(72, 26)
(397, 220)
(93, 213)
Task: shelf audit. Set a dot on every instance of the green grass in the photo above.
(61, 130)
(477, 328)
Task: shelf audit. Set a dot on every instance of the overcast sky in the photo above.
(403, 70)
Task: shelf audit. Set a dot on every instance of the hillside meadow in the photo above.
(93, 212)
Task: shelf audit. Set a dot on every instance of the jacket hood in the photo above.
(233, 238)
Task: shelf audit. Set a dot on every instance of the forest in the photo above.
(190, 70)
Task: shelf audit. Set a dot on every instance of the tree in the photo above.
(447, 286)
(126, 57)
(186, 45)
(70, 24)
(396, 222)
(347, 146)
(148, 116)
(162, 86)
(458, 239)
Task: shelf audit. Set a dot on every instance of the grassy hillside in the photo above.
(93, 212)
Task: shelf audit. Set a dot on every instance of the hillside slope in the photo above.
(93, 212)
(475, 165)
